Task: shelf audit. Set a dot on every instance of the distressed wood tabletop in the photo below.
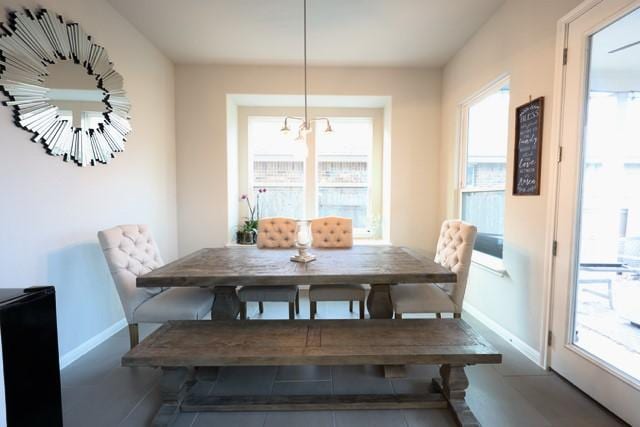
(251, 266)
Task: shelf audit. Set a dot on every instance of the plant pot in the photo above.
(246, 237)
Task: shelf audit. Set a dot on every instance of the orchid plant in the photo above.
(251, 223)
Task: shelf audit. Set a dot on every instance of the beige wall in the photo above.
(201, 123)
(518, 40)
(51, 210)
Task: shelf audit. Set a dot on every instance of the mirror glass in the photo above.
(76, 93)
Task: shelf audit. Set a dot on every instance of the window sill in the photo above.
(237, 245)
(489, 263)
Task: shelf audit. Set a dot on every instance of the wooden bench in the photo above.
(190, 350)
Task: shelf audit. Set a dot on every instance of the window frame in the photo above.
(311, 183)
(487, 261)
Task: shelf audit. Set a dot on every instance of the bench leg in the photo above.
(379, 302)
(298, 302)
(226, 304)
(243, 310)
(313, 309)
(350, 306)
(133, 335)
(173, 389)
(453, 385)
(361, 309)
(292, 311)
(261, 307)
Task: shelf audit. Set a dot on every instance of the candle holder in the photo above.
(303, 242)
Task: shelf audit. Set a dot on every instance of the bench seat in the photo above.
(187, 349)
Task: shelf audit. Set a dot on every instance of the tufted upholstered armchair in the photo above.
(455, 246)
(130, 252)
(334, 232)
(273, 233)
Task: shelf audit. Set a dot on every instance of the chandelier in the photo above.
(305, 122)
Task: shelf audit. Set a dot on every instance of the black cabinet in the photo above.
(30, 364)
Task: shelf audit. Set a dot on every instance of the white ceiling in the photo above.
(341, 32)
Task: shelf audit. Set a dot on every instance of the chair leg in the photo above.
(457, 315)
(243, 310)
(361, 309)
(133, 335)
(350, 306)
(297, 302)
(398, 316)
(260, 307)
(292, 311)
(438, 316)
(313, 309)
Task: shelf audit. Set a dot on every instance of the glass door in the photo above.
(597, 276)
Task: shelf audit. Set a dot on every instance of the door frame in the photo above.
(559, 87)
(553, 188)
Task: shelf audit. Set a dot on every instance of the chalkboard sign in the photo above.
(528, 156)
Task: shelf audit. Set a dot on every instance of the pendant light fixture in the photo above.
(305, 125)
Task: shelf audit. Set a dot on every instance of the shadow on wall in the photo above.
(502, 298)
(518, 265)
(87, 301)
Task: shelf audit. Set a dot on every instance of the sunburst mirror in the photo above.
(63, 88)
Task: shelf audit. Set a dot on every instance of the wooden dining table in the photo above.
(223, 269)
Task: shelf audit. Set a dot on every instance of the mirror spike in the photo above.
(31, 42)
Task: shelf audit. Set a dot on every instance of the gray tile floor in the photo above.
(97, 391)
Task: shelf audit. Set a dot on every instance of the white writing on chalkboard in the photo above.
(528, 127)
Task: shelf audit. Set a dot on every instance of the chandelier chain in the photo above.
(306, 115)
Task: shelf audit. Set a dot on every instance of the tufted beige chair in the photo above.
(334, 232)
(130, 252)
(273, 233)
(455, 246)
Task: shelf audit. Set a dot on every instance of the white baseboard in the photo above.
(73, 355)
(524, 348)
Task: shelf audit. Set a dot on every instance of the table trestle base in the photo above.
(176, 387)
